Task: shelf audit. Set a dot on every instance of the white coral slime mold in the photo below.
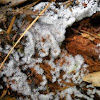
(49, 32)
(46, 36)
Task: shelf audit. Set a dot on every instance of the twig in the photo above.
(76, 31)
(66, 2)
(25, 8)
(11, 24)
(29, 6)
(6, 10)
(25, 32)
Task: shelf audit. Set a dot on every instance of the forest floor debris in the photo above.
(82, 38)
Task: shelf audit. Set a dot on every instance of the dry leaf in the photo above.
(12, 2)
(93, 78)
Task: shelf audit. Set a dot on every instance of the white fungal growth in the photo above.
(18, 79)
(20, 85)
(46, 97)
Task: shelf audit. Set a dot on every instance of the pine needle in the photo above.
(25, 32)
(11, 24)
(90, 34)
